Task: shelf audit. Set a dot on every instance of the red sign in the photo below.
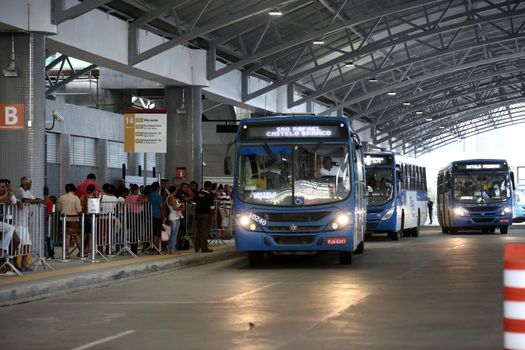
(180, 173)
(11, 116)
(336, 240)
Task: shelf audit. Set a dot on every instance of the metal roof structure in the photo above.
(419, 74)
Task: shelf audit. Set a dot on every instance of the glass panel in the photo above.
(481, 188)
(379, 182)
(265, 174)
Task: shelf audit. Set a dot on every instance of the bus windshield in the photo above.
(380, 185)
(293, 175)
(481, 188)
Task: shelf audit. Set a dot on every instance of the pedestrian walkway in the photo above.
(77, 275)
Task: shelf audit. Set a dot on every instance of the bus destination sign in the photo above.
(482, 166)
(378, 159)
(260, 132)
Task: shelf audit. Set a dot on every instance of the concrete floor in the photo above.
(432, 292)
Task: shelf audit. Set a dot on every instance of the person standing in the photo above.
(175, 207)
(90, 180)
(156, 213)
(430, 206)
(70, 206)
(24, 195)
(205, 205)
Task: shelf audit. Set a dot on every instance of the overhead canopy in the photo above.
(419, 74)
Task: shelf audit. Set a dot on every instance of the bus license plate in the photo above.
(336, 240)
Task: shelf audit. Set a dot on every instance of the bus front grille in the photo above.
(289, 239)
(293, 217)
(482, 209)
(300, 229)
(482, 220)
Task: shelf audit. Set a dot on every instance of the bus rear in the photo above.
(298, 187)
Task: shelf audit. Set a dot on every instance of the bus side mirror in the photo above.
(228, 159)
(227, 165)
(512, 180)
(356, 140)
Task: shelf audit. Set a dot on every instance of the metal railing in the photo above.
(22, 237)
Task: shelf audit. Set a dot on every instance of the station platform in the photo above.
(78, 275)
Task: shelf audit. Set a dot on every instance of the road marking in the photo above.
(103, 340)
(239, 296)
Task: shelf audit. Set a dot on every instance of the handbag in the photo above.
(164, 234)
(183, 243)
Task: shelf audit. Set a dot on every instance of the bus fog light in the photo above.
(253, 227)
(459, 211)
(335, 225)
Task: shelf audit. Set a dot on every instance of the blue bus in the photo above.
(475, 194)
(298, 187)
(397, 194)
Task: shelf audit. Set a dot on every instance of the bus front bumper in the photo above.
(481, 221)
(248, 241)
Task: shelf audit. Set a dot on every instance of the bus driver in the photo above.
(329, 168)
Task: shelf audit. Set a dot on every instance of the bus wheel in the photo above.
(394, 235)
(503, 230)
(345, 258)
(256, 258)
(360, 248)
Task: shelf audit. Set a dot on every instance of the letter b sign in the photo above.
(11, 116)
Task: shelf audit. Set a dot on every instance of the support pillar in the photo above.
(22, 151)
(184, 132)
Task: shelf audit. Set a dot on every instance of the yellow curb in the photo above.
(87, 267)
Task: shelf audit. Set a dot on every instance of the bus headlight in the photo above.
(460, 211)
(506, 211)
(245, 220)
(340, 222)
(388, 214)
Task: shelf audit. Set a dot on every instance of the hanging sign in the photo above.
(180, 173)
(145, 132)
(11, 116)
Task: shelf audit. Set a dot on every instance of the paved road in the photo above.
(432, 292)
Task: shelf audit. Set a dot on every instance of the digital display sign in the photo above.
(378, 159)
(251, 132)
(482, 166)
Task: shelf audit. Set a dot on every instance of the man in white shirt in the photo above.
(329, 169)
(24, 194)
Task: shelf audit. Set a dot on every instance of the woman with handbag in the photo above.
(175, 215)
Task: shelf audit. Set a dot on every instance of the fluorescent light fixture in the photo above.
(419, 112)
(318, 42)
(391, 93)
(372, 80)
(441, 127)
(428, 119)
(275, 13)
(406, 103)
(349, 64)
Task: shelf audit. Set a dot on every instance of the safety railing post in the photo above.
(37, 233)
(64, 253)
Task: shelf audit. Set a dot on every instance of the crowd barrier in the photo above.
(29, 234)
(118, 228)
(22, 237)
(222, 222)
